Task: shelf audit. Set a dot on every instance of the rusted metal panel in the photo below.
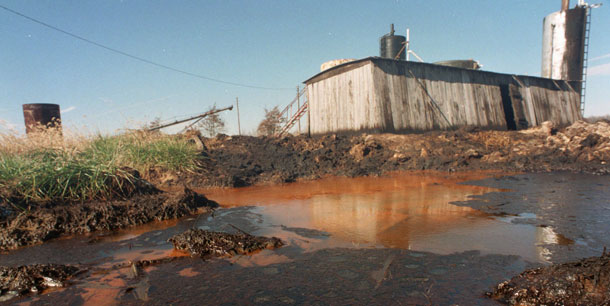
(41, 115)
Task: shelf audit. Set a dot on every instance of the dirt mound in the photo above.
(33, 278)
(41, 224)
(216, 244)
(588, 142)
(585, 282)
(242, 160)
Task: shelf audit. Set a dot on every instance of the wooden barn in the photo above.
(385, 95)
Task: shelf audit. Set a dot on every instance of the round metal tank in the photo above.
(333, 63)
(466, 64)
(390, 45)
(41, 115)
(563, 44)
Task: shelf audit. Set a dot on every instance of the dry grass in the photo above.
(49, 167)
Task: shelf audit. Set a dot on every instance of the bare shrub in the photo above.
(271, 124)
(212, 124)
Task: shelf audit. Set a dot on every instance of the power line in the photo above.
(134, 56)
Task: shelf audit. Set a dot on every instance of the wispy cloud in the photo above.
(597, 58)
(603, 69)
(67, 110)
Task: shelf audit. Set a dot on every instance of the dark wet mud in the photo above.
(243, 161)
(32, 279)
(584, 282)
(325, 277)
(570, 211)
(387, 240)
(207, 244)
(42, 224)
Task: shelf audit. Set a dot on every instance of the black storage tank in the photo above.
(390, 45)
(41, 115)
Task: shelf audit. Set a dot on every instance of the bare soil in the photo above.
(208, 244)
(584, 282)
(41, 224)
(243, 160)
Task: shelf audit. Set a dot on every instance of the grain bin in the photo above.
(40, 115)
(391, 45)
(563, 41)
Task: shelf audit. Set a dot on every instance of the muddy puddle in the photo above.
(396, 239)
(406, 211)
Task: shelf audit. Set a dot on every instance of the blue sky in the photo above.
(275, 44)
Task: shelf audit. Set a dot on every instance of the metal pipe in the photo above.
(417, 56)
(407, 45)
(392, 29)
(565, 5)
(214, 111)
(238, 121)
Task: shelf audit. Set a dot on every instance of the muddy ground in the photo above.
(37, 225)
(585, 282)
(575, 206)
(242, 160)
(33, 278)
(207, 244)
(340, 274)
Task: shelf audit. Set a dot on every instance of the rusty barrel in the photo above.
(41, 115)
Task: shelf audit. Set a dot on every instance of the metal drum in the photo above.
(40, 116)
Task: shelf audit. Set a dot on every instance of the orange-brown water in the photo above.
(351, 216)
(400, 211)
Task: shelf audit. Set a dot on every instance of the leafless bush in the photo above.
(271, 124)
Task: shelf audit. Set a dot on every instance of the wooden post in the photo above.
(238, 123)
(308, 108)
(299, 108)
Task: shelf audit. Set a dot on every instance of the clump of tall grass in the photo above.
(49, 168)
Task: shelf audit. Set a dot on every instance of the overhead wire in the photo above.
(137, 57)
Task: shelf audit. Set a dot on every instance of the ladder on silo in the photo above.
(585, 59)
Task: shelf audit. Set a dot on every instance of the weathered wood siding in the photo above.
(345, 102)
(384, 95)
(544, 100)
(427, 97)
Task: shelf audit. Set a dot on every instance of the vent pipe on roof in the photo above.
(565, 5)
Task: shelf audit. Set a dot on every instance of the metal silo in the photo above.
(563, 41)
(41, 115)
(391, 45)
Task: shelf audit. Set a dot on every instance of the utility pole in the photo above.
(238, 123)
(299, 108)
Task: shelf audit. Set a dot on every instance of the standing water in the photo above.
(384, 240)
